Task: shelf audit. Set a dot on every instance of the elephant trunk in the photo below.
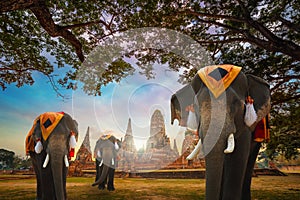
(58, 170)
(102, 176)
(57, 151)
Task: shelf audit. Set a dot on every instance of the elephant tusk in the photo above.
(72, 141)
(101, 163)
(46, 161)
(195, 151)
(66, 161)
(112, 162)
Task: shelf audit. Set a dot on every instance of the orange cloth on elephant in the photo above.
(29, 142)
(48, 121)
(218, 77)
(261, 132)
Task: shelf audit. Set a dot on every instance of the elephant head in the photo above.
(105, 153)
(219, 117)
(51, 164)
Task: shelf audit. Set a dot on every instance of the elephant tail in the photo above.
(102, 176)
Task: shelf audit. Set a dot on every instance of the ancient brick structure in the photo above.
(158, 153)
(188, 145)
(127, 154)
(83, 160)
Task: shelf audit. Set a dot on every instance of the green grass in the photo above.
(263, 187)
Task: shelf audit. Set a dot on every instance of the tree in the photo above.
(262, 36)
(21, 163)
(35, 31)
(6, 158)
(285, 130)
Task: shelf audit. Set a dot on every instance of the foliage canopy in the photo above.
(261, 36)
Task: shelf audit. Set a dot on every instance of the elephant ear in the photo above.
(183, 98)
(259, 90)
(179, 101)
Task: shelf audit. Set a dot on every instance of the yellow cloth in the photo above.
(46, 126)
(105, 137)
(218, 87)
(54, 117)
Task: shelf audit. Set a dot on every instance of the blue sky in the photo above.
(134, 97)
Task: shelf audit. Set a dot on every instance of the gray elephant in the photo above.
(220, 110)
(105, 153)
(56, 133)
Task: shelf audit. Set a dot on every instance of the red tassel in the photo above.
(72, 152)
(249, 100)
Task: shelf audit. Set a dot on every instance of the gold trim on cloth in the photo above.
(217, 87)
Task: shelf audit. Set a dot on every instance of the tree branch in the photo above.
(274, 43)
(284, 100)
(11, 5)
(288, 24)
(55, 88)
(44, 16)
(85, 24)
(210, 16)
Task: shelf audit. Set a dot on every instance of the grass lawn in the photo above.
(263, 187)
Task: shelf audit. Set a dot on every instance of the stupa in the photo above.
(127, 153)
(84, 159)
(158, 138)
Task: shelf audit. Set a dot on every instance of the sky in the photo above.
(134, 97)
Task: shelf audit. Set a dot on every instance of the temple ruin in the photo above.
(84, 159)
(158, 153)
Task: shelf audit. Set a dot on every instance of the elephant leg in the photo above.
(65, 173)
(37, 172)
(101, 186)
(246, 194)
(110, 184)
(234, 169)
(99, 170)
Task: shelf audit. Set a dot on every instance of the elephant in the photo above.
(105, 153)
(51, 162)
(228, 176)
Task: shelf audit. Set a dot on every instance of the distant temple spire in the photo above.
(128, 143)
(86, 141)
(158, 138)
(157, 124)
(129, 129)
(84, 153)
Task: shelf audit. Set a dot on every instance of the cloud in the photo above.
(135, 97)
